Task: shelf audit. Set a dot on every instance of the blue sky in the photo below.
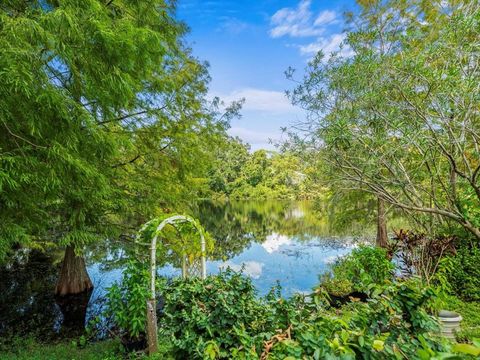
(249, 44)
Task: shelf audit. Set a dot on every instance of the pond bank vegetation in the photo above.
(379, 315)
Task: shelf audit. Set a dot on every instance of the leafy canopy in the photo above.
(103, 115)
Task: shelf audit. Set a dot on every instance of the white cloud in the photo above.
(260, 100)
(270, 108)
(326, 17)
(251, 268)
(300, 22)
(330, 259)
(274, 241)
(327, 45)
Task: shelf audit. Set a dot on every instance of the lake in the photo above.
(269, 241)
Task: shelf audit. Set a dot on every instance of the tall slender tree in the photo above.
(104, 120)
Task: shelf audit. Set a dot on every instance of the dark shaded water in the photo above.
(269, 241)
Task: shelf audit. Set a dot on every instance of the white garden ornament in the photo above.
(188, 269)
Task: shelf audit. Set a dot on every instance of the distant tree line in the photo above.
(238, 173)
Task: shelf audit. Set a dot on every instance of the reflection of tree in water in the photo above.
(27, 302)
(236, 224)
(111, 254)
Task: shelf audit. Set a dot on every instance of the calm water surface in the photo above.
(270, 241)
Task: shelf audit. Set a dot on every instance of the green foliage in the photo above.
(360, 269)
(337, 286)
(231, 158)
(223, 318)
(393, 324)
(104, 118)
(390, 111)
(261, 175)
(127, 300)
(467, 349)
(28, 349)
(176, 240)
(213, 317)
(462, 272)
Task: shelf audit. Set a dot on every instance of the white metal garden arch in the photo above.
(151, 303)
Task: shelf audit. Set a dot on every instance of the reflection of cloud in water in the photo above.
(250, 268)
(331, 259)
(274, 241)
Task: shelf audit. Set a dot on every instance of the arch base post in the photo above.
(152, 327)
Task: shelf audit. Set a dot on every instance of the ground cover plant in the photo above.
(223, 318)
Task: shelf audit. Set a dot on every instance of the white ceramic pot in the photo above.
(450, 322)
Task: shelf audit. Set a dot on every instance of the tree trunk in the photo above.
(73, 277)
(382, 239)
(74, 311)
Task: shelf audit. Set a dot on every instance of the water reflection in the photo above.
(274, 242)
(27, 301)
(288, 242)
(269, 241)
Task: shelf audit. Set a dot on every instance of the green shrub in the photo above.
(222, 318)
(363, 267)
(463, 274)
(337, 286)
(213, 316)
(393, 322)
(126, 301)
